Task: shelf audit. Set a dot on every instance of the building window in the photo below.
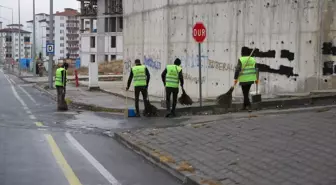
(106, 25)
(62, 24)
(113, 41)
(61, 31)
(62, 51)
(62, 45)
(93, 58)
(62, 38)
(106, 58)
(62, 18)
(8, 38)
(93, 42)
(120, 24)
(113, 25)
(113, 57)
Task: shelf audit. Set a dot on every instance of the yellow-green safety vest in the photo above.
(172, 76)
(58, 77)
(139, 75)
(249, 73)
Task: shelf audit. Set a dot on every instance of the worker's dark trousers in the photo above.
(60, 97)
(169, 91)
(246, 91)
(143, 90)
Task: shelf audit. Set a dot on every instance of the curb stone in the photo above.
(185, 177)
(81, 105)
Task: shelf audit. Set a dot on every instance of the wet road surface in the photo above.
(40, 146)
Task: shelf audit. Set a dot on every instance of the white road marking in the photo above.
(25, 107)
(32, 117)
(15, 93)
(12, 81)
(29, 96)
(108, 176)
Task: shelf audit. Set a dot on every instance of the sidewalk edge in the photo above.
(80, 105)
(185, 178)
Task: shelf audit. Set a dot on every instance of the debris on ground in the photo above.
(185, 166)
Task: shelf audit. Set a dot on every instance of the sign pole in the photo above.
(51, 35)
(200, 73)
(199, 34)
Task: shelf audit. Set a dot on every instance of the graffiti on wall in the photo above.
(269, 54)
(220, 66)
(152, 63)
(193, 79)
(127, 65)
(328, 49)
(283, 70)
(193, 61)
(329, 67)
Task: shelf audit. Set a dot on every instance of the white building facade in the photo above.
(11, 37)
(296, 42)
(65, 34)
(41, 32)
(101, 31)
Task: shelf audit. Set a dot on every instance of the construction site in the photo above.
(295, 43)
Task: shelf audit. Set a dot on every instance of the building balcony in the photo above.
(75, 35)
(72, 41)
(88, 8)
(72, 21)
(71, 27)
(74, 56)
(72, 48)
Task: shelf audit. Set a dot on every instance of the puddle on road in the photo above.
(91, 120)
(109, 121)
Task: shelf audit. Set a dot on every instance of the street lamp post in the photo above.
(34, 40)
(19, 39)
(51, 34)
(13, 40)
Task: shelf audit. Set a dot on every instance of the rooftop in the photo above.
(42, 14)
(67, 12)
(21, 25)
(11, 30)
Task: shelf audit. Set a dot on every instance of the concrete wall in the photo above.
(288, 33)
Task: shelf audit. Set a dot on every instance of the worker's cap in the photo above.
(177, 61)
(137, 61)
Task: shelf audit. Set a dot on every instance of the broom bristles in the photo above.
(185, 99)
(225, 99)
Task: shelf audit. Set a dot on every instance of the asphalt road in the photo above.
(40, 146)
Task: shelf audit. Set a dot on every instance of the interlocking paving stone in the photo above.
(284, 149)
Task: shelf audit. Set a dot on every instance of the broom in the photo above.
(226, 99)
(150, 109)
(185, 99)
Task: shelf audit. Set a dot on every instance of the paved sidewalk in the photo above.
(95, 100)
(298, 149)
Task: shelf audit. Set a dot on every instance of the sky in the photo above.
(41, 6)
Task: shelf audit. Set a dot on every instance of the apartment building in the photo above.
(101, 31)
(2, 46)
(11, 37)
(65, 34)
(41, 33)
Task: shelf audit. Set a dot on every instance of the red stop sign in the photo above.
(199, 32)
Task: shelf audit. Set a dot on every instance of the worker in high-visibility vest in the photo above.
(60, 83)
(247, 74)
(172, 77)
(141, 77)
